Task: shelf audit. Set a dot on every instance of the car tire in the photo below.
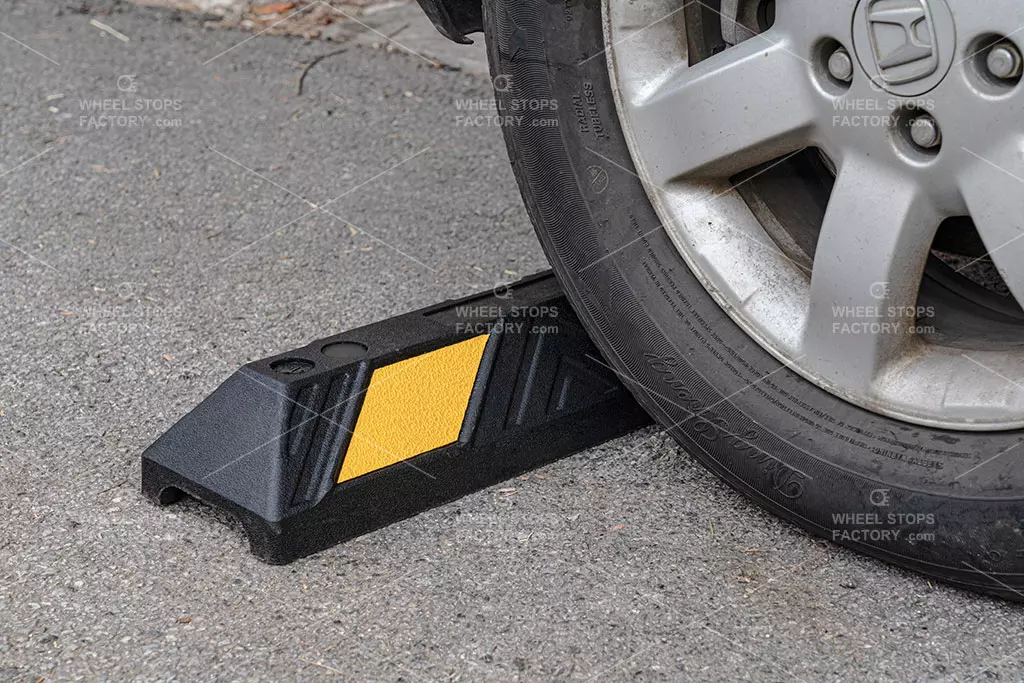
(948, 504)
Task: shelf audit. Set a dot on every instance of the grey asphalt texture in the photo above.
(140, 265)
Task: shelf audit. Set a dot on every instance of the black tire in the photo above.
(800, 452)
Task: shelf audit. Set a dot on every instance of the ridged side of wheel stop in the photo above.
(354, 432)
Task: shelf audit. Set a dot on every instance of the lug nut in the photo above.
(1004, 61)
(924, 131)
(840, 66)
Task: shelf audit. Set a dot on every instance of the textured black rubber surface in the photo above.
(947, 504)
(268, 444)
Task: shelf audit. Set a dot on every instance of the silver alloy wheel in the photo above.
(851, 321)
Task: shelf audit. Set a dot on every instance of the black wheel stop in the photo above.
(351, 433)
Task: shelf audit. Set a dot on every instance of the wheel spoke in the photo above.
(870, 257)
(820, 18)
(993, 188)
(998, 15)
(747, 105)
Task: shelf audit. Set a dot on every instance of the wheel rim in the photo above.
(850, 320)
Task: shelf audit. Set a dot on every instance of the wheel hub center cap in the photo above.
(906, 47)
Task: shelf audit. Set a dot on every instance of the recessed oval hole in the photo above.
(345, 351)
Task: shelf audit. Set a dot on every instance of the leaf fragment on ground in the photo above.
(109, 29)
(272, 8)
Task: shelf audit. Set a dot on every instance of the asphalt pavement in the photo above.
(141, 261)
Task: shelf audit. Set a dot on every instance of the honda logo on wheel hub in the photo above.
(904, 46)
(902, 39)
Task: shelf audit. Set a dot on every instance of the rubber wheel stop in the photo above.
(351, 433)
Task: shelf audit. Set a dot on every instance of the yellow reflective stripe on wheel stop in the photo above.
(413, 406)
